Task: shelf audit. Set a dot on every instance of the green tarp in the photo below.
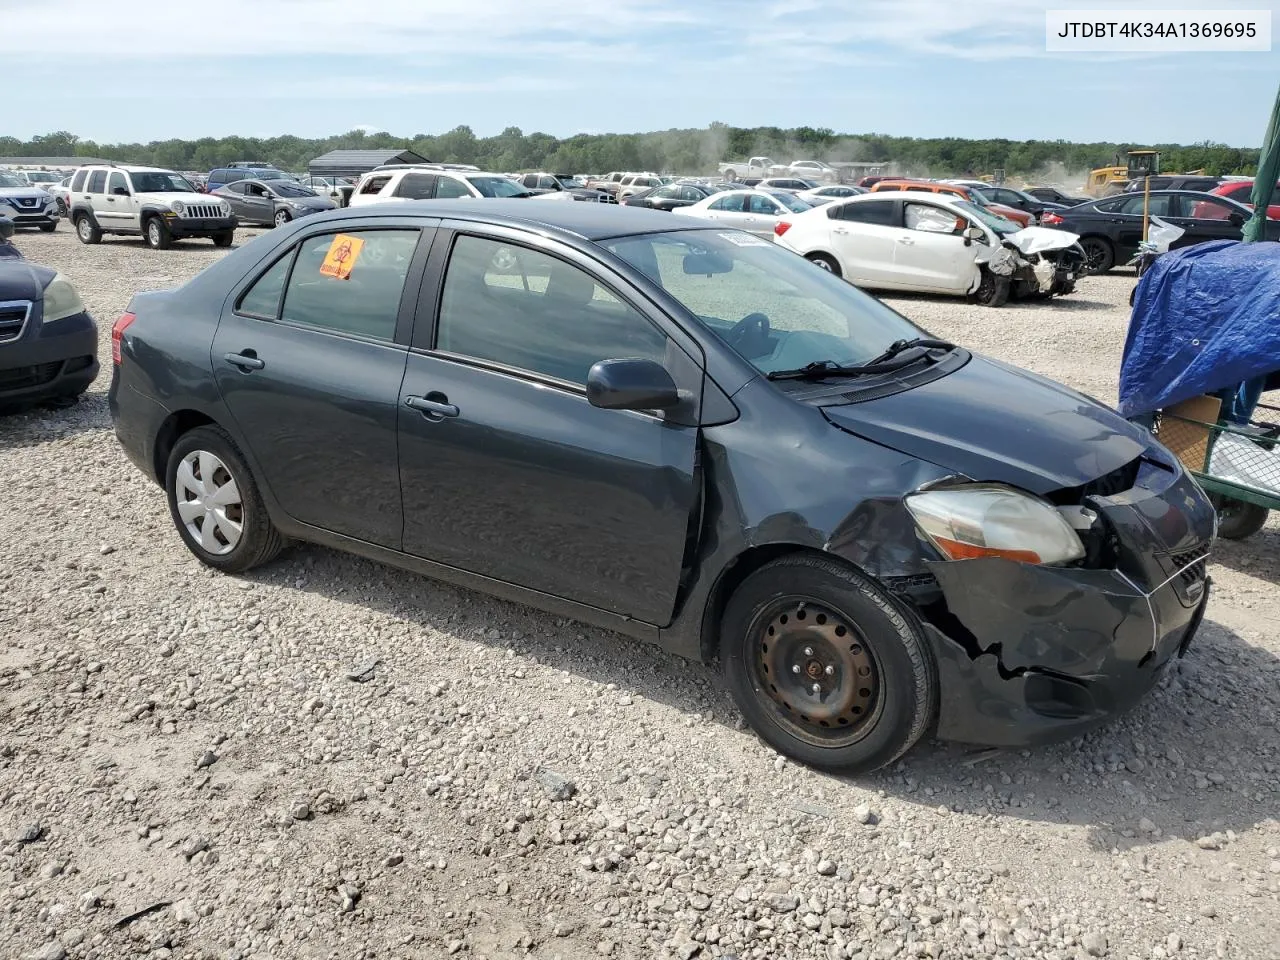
(1264, 184)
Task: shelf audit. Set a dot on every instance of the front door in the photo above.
(930, 253)
(310, 364)
(258, 204)
(507, 470)
(1206, 218)
(117, 205)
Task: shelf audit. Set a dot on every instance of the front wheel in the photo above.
(215, 503)
(825, 667)
(282, 217)
(158, 235)
(1099, 256)
(224, 238)
(48, 227)
(993, 290)
(1238, 519)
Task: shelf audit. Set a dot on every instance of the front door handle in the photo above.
(907, 240)
(433, 409)
(246, 361)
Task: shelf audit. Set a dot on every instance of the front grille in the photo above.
(18, 377)
(28, 202)
(206, 211)
(1191, 565)
(13, 317)
(608, 198)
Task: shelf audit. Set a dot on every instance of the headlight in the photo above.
(994, 521)
(178, 207)
(61, 300)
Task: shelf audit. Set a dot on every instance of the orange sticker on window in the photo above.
(342, 256)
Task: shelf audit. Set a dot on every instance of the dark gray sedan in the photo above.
(272, 202)
(684, 433)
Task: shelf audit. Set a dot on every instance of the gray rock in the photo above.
(300, 810)
(206, 759)
(558, 787)
(782, 902)
(868, 897)
(30, 832)
(826, 868)
(184, 911)
(1095, 944)
(699, 901)
(1173, 943)
(196, 843)
(72, 937)
(50, 951)
(865, 815)
(394, 860)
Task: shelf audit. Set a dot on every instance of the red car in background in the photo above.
(1239, 191)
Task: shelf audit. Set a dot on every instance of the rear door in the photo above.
(309, 357)
(95, 194)
(258, 204)
(863, 236)
(512, 474)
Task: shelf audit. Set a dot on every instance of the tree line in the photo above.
(691, 151)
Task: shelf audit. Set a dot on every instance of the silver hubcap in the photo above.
(823, 264)
(209, 502)
(153, 232)
(85, 229)
(282, 218)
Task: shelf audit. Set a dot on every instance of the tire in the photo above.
(224, 239)
(211, 450)
(854, 728)
(48, 227)
(731, 176)
(282, 217)
(826, 262)
(157, 234)
(993, 291)
(1238, 519)
(87, 230)
(1099, 255)
(62, 207)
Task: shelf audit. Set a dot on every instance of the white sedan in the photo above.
(931, 243)
(755, 211)
(835, 191)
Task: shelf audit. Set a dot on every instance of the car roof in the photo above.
(591, 221)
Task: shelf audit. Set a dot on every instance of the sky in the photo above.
(141, 70)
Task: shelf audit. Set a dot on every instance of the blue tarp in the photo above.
(1205, 317)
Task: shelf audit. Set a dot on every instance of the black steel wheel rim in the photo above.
(815, 669)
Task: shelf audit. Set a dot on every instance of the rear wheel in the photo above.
(1099, 255)
(87, 230)
(157, 234)
(1238, 519)
(224, 238)
(826, 262)
(825, 667)
(215, 503)
(731, 176)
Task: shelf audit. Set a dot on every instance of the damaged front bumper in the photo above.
(1031, 654)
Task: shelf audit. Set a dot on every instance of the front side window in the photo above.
(931, 219)
(762, 205)
(116, 182)
(349, 282)
(723, 277)
(448, 188)
(525, 309)
(1208, 209)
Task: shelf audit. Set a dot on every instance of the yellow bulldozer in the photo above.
(1106, 181)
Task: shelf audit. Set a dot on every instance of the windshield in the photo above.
(291, 190)
(497, 187)
(982, 215)
(790, 201)
(571, 183)
(11, 180)
(725, 276)
(264, 174)
(41, 177)
(155, 182)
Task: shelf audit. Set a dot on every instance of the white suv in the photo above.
(431, 182)
(160, 205)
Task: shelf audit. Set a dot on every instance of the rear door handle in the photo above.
(840, 230)
(432, 409)
(246, 361)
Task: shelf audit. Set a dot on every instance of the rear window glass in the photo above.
(77, 182)
(97, 181)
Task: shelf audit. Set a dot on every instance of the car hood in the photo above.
(168, 196)
(993, 422)
(1031, 240)
(24, 193)
(22, 280)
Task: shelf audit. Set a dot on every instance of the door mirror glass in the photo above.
(631, 385)
(120, 191)
(975, 233)
(1236, 219)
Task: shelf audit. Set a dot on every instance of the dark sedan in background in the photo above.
(272, 202)
(716, 447)
(1054, 195)
(669, 197)
(48, 341)
(1110, 229)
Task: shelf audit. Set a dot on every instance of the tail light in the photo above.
(781, 227)
(117, 333)
(1051, 218)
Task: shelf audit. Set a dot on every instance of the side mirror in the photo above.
(120, 192)
(631, 385)
(1236, 219)
(975, 233)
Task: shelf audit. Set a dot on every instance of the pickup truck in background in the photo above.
(759, 168)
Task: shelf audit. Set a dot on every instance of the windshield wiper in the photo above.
(886, 362)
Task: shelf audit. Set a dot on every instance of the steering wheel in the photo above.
(752, 326)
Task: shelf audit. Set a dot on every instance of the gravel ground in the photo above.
(186, 769)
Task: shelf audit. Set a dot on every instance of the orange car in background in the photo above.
(1020, 217)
